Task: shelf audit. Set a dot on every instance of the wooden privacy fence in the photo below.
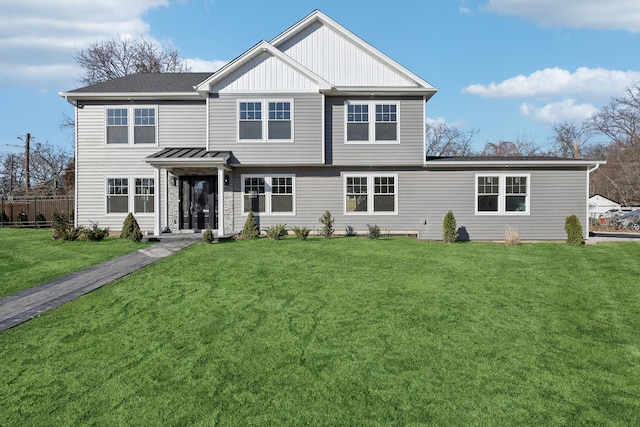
(35, 211)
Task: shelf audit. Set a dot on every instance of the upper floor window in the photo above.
(371, 193)
(250, 126)
(120, 130)
(381, 128)
(275, 125)
(502, 194)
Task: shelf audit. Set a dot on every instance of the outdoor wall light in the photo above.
(226, 180)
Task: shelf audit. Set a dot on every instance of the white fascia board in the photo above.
(263, 46)
(127, 96)
(385, 90)
(445, 164)
(316, 15)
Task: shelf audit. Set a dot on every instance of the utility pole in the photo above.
(27, 141)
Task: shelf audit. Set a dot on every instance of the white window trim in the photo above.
(265, 119)
(130, 125)
(502, 194)
(370, 192)
(131, 189)
(372, 121)
(267, 193)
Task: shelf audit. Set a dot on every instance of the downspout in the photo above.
(589, 171)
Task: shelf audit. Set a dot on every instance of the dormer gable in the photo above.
(263, 68)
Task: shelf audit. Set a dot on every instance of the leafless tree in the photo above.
(619, 122)
(523, 145)
(445, 140)
(570, 138)
(106, 60)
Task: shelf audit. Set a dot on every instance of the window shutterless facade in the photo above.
(119, 192)
(372, 122)
(265, 120)
(268, 195)
(502, 194)
(120, 129)
(370, 193)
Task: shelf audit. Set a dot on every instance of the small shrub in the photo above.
(95, 233)
(62, 228)
(449, 228)
(573, 228)
(276, 232)
(301, 233)
(208, 236)
(40, 218)
(5, 218)
(374, 231)
(511, 236)
(22, 217)
(350, 232)
(131, 229)
(250, 230)
(327, 221)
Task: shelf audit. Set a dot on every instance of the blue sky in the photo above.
(506, 68)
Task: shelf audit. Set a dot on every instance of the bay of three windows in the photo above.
(120, 196)
(126, 125)
(274, 124)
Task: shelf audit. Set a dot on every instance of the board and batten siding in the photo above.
(409, 151)
(306, 147)
(179, 124)
(426, 196)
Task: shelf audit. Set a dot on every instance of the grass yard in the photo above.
(29, 257)
(341, 332)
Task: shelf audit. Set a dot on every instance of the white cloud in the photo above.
(596, 14)
(560, 111)
(39, 38)
(202, 65)
(594, 84)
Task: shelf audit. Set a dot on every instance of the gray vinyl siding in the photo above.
(179, 124)
(427, 196)
(409, 151)
(306, 147)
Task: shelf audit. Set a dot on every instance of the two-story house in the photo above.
(314, 120)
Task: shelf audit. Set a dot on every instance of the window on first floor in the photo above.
(371, 194)
(502, 194)
(118, 195)
(268, 194)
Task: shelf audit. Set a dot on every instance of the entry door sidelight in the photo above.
(199, 204)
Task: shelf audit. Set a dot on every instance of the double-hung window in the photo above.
(372, 122)
(265, 120)
(268, 195)
(122, 130)
(504, 194)
(370, 193)
(118, 195)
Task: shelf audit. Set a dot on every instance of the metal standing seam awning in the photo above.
(188, 159)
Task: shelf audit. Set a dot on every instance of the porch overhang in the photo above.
(188, 159)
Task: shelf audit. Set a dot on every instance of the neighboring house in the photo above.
(314, 120)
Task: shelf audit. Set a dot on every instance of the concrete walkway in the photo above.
(26, 305)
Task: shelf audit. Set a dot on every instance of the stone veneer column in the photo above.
(173, 202)
(228, 205)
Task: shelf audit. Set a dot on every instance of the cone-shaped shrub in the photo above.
(449, 228)
(131, 229)
(250, 230)
(574, 230)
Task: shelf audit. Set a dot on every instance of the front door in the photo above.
(198, 202)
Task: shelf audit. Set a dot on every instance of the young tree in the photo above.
(106, 60)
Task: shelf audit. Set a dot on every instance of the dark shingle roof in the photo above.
(148, 83)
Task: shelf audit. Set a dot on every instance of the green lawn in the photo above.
(341, 332)
(29, 257)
